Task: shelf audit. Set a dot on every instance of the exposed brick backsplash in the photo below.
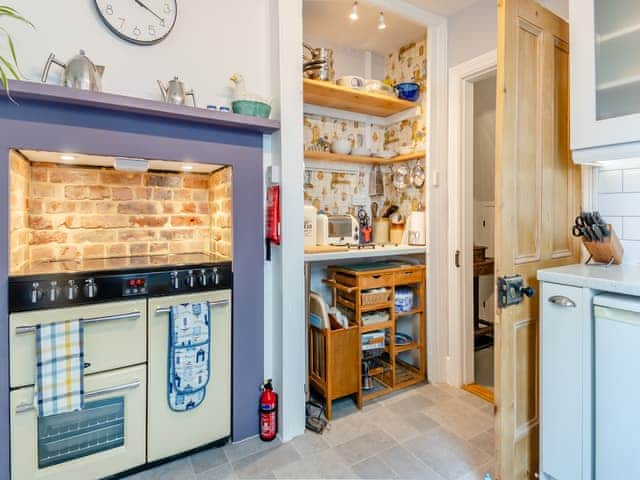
(64, 212)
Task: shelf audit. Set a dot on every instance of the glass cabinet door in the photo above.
(617, 58)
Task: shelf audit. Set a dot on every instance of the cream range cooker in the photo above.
(124, 306)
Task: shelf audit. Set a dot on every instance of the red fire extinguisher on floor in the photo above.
(268, 412)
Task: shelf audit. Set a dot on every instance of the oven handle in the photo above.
(219, 303)
(25, 407)
(107, 318)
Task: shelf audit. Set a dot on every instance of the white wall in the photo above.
(211, 40)
(484, 139)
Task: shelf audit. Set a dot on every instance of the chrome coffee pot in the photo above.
(79, 72)
(175, 92)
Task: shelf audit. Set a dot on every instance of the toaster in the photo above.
(343, 230)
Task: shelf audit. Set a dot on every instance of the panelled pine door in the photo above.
(537, 199)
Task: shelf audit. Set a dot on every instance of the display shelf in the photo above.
(413, 311)
(327, 94)
(336, 157)
(408, 347)
(375, 326)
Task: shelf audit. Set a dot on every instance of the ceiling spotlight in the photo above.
(381, 24)
(186, 166)
(354, 11)
(67, 158)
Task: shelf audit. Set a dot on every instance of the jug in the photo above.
(79, 72)
(174, 92)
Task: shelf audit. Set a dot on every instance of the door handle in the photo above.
(457, 258)
(21, 330)
(562, 301)
(25, 407)
(161, 310)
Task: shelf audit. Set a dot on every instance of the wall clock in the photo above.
(143, 22)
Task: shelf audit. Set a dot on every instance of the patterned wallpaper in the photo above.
(339, 191)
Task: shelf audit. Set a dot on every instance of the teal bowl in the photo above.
(250, 107)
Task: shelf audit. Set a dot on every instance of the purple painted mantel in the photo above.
(59, 119)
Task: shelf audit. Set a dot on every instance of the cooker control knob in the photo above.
(54, 291)
(175, 280)
(203, 279)
(71, 290)
(191, 279)
(90, 288)
(216, 277)
(36, 292)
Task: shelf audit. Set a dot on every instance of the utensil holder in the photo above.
(609, 251)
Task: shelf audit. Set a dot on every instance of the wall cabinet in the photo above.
(605, 80)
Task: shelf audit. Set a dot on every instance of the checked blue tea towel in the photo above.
(60, 366)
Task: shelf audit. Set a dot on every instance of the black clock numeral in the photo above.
(167, 8)
(162, 23)
(137, 31)
(109, 9)
(122, 20)
(152, 30)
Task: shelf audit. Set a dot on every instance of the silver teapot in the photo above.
(175, 92)
(79, 72)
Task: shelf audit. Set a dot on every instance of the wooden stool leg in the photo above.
(328, 403)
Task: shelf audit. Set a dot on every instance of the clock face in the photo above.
(143, 22)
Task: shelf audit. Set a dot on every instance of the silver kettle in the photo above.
(175, 92)
(79, 72)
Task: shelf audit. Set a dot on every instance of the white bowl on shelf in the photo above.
(341, 146)
(406, 150)
(361, 152)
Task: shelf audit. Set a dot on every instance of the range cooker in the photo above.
(124, 305)
(64, 283)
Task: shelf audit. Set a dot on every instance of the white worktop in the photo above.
(379, 251)
(624, 279)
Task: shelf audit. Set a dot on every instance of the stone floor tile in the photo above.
(409, 404)
(485, 442)
(407, 466)
(446, 453)
(434, 393)
(324, 465)
(374, 468)
(171, 471)
(396, 426)
(346, 429)
(208, 459)
(310, 443)
(262, 464)
(251, 446)
(221, 472)
(365, 446)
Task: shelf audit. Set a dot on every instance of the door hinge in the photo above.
(511, 290)
(457, 258)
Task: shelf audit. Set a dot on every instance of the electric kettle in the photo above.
(79, 72)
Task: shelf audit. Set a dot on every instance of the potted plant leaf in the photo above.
(9, 63)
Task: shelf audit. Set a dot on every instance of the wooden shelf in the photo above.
(327, 94)
(336, 157)
(407, 347)
(413, 311)
(375, 326)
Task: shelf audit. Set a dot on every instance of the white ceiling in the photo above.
(99, 161)
(328, 21)
(443, 7)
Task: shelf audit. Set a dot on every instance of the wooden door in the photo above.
(537, 199)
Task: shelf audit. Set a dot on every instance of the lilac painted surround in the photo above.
(56, 126)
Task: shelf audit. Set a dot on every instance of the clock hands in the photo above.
(139, 2)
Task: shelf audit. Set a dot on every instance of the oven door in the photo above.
(106, 437)
(211, 420)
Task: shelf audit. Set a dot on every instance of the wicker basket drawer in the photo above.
(375, 298)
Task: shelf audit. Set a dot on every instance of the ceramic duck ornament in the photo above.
(240, 91)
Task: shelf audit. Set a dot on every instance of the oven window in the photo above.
(96, 428)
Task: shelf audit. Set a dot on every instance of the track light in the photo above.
(354, 11)
(381, 24)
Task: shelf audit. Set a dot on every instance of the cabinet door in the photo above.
(605, 78)
(563, 325)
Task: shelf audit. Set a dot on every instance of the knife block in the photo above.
(610, 250)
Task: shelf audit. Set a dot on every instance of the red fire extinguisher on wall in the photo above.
(268, 412)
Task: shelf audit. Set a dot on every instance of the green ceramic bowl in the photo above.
(250, 107)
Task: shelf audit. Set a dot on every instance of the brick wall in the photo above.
(88, 212)
(18, 213)
(220, 195)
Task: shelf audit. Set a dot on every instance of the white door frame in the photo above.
(461, 80)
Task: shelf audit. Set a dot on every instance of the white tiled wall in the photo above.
(618, 200)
